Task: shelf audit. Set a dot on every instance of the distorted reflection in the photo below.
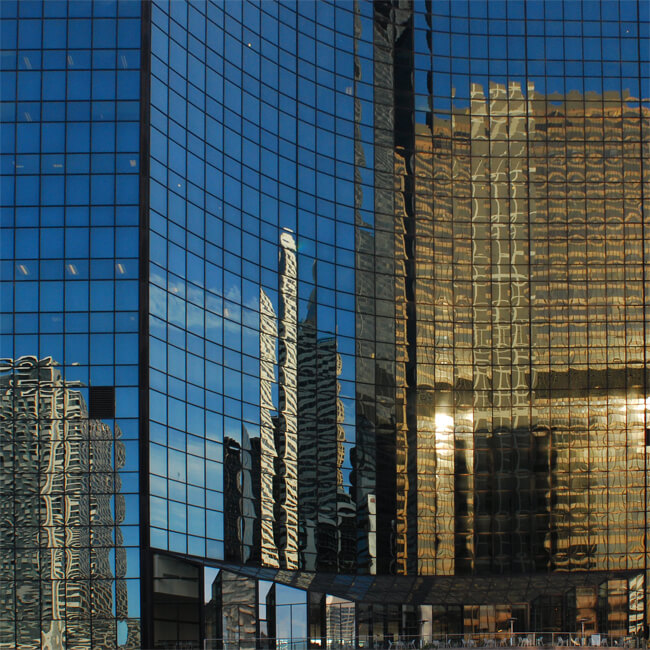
(285, 497)
(530, 389)
(62, 505)
(521, 447)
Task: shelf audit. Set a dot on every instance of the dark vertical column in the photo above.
(146, 568)
(394, 236)
(232, 516)
(308, 476)
(405, 145)
(270, 616)
(363, 476)
(202, 612)
(378, 402)
(316, 616)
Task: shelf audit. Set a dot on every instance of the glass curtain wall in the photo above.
(524, 163)
(69, 510)
(255, 175)
(397, 286)
(396, 305)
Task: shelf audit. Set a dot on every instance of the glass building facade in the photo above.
(323, 320)
(69, 428)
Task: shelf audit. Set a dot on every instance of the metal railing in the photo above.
(527, 640)
(433, 642)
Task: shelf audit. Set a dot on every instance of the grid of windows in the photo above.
(528, 154)
(500, 347)
(396, 293)
(252, 210)
(397, 285)
(69, 299)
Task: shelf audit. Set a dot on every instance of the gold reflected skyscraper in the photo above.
(530, 346)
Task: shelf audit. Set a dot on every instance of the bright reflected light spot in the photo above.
(120, 268)
(444, 421)
(23, 269)
(72, 269)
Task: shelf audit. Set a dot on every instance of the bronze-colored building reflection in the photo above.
(266, 503)
(287, 422)
(529, 267)
(62, 507)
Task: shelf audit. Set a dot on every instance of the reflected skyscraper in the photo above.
(326, 507)
(532, 398)
(233, 607)
(63, 508)
(268, 453)
(287, 421)
(241, 474)
(307, 370)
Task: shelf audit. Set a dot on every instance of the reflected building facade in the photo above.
(62, 508)
(520, 356)
(349, 302)
(70, 461)
(327, 511)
